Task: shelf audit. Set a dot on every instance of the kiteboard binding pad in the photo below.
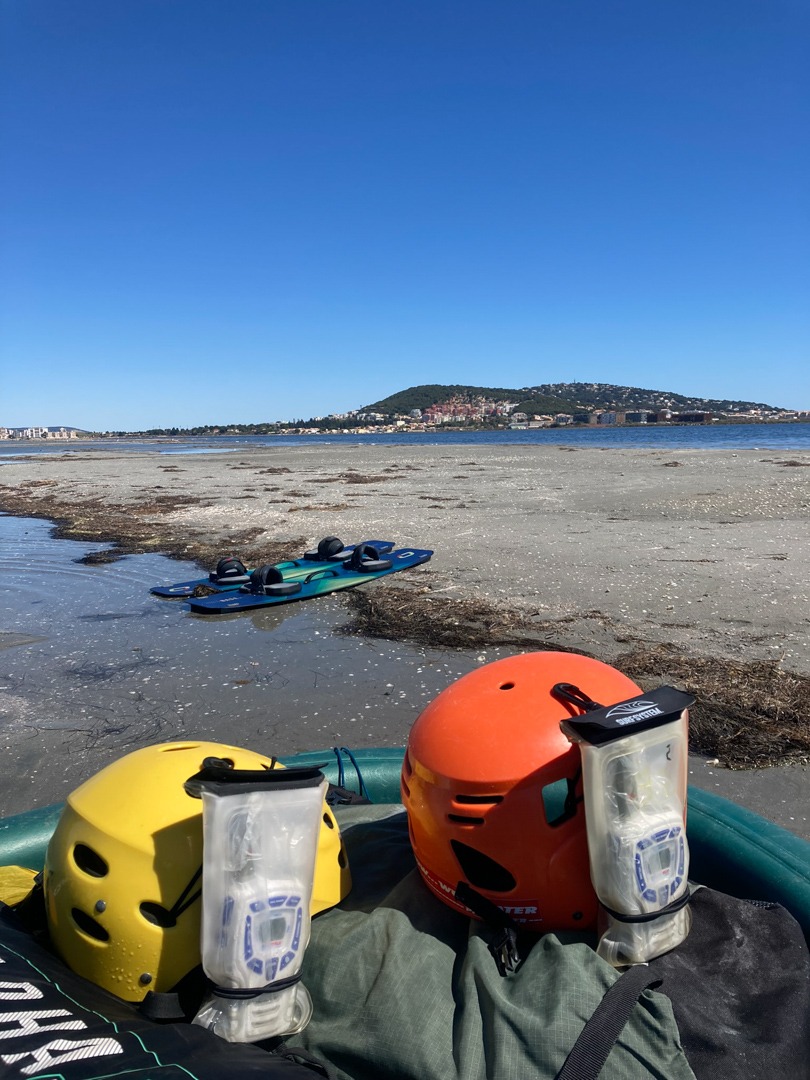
(270, 585)
(231, 573)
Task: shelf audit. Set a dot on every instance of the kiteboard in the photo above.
(231, 574)
(268, 586)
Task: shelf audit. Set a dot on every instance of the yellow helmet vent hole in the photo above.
(157, 914)
(88, 925)
(89, 861)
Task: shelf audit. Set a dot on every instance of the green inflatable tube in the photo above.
(731, 849)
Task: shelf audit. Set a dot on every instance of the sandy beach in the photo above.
(701, 549)
(688, 566)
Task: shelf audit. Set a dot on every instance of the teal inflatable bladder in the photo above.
(731, 849)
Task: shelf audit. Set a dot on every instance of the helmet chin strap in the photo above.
(503, 945)
(185, 901)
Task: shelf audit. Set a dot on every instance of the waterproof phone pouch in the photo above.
(634, 774)
(260, 841)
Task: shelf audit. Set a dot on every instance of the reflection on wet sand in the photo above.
(101, 667)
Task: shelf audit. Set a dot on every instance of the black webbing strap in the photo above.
(162, 1006)
(503, 945)
(303, 1057)
(590, 1052)
(341, 796)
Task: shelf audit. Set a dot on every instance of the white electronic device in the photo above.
(260, 842)
(634, 761)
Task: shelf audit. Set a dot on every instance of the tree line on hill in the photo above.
(543, 399)
(557, 398)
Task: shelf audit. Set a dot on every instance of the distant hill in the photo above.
(422, 397)
(609, 396)
(560, 397)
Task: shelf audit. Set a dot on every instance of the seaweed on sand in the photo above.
(748, 715)
(433, 619)
(140, 527)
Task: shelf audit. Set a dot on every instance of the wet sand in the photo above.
(702, 549)
(601, 551)
(92, 666)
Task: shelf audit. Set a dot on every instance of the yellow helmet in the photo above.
(122, 876)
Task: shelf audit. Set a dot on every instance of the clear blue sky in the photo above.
(265, 209)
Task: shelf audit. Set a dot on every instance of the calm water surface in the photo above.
(684, 437)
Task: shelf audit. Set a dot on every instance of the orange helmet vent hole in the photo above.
(556, 804)
(482, 871)
(479, 800)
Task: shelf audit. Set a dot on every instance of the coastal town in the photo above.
(507, 414)
(435, 419)
(473, 412)
(41, 433)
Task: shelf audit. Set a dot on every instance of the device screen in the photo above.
(271, 931)
(664, 859)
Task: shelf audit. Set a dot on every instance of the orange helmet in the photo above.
(493, 789)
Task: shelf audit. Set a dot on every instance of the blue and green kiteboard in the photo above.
(269, 586)
(231, 574)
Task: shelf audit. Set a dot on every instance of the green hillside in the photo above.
(422, 397)
(610, 396)
(559, 397)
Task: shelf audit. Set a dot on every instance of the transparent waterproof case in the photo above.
(259, 850)
(634, 785)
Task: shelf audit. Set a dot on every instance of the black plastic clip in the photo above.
(505, 951)
(503, 945)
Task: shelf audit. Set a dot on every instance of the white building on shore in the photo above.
(39, 433)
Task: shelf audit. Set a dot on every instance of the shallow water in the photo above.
(767, 436)
(91, 666)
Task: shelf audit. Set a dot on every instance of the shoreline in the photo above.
(684, 564)
(393, 429)
(607, 436)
